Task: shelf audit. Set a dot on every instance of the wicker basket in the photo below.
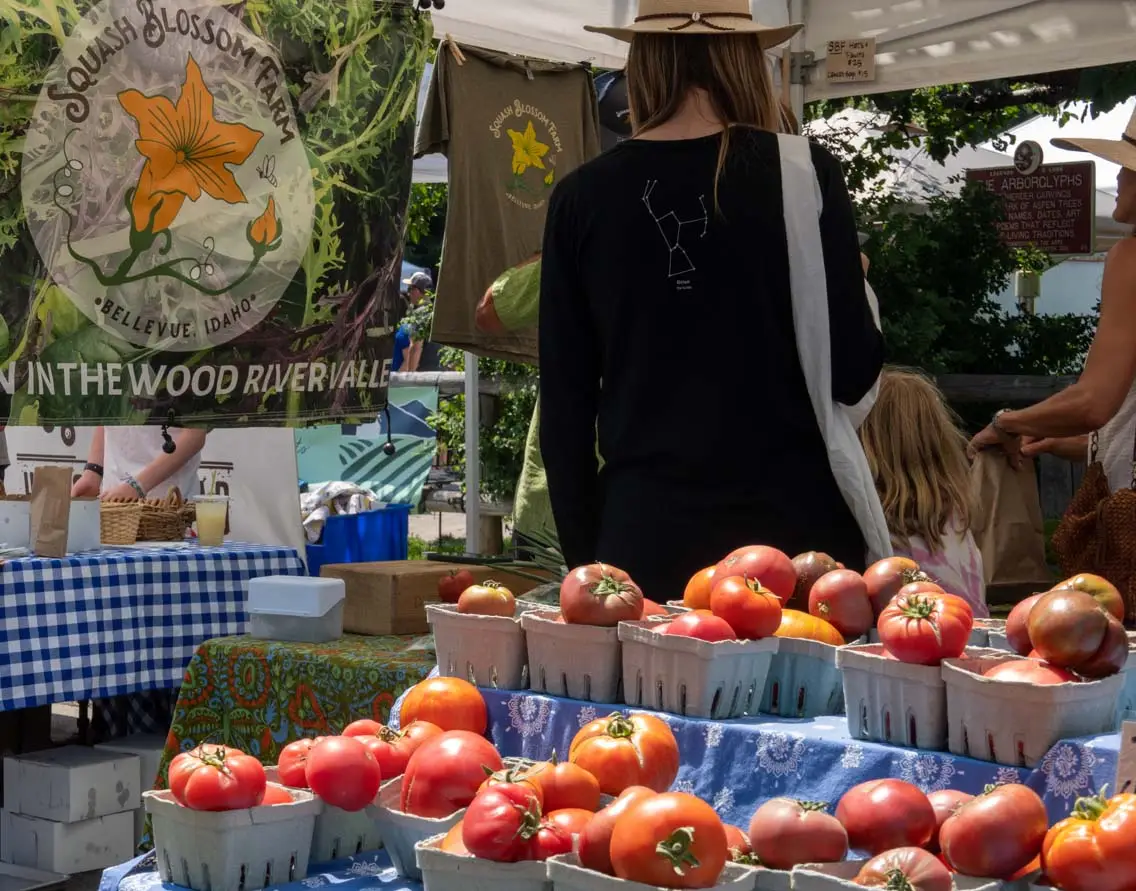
(165, 519)
(118, 522)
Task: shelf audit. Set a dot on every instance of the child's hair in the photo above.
(917, 454)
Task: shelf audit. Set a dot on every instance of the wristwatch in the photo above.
(996, 425)
(96, 469)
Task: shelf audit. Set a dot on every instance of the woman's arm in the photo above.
(569, 385)
(89, 482)
(1071, 448)
(188, 442)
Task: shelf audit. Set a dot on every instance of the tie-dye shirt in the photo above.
(957, 566)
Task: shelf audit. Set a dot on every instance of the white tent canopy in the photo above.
(918, 42)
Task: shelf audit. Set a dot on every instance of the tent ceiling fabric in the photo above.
(918, 42)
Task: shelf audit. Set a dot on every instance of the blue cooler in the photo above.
(371, 537)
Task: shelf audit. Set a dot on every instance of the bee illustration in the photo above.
(267, 170)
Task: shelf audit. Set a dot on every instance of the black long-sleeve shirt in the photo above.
(669, 324)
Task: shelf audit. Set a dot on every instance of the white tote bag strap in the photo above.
(802, 205)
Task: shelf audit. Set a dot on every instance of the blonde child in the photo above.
(918, 458)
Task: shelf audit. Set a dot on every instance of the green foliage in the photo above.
(420, 318)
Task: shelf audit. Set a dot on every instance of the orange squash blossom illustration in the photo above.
(265, 229)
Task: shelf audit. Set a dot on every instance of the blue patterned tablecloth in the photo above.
(121, 620)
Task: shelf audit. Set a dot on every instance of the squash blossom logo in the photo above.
(172, 204)
(535, 144)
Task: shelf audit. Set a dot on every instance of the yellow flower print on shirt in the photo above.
(527, 150)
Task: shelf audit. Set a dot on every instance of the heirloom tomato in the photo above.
(650, 608)
(1094, 848)
(573, 820)
(1112, 655)
(488, 599)
(343, 773)
(551, 840)
(737, 842)
(840, 598)
(595, 842)
(292, 764)
(697, 593)
(391, 748)
(925, 629)
(767, 565)
(884, 814)
(514, 776)
(565, 785)
(445, 773)
(1030, 671)
(452, 843)
(885, 577)
(702, 625)
(905, 869)
(1067, 627)
(802, 626)
(217, 779)
(450, 586)
(627, 750)
(996, 833)
(1017, 625)
(673, 840)
(785, 832)
(449, 703)
(274, 793)
(945, 802)
(1100, 589)
(809, 566)
(923, 584)
(501, 822)
(753, 611)
(598, 594)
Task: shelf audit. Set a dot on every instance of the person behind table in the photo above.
(407, 352)
(129, 463)
(918, 458)
(635, 242)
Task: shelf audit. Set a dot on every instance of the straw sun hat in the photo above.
(1120, 151)
(698, 17)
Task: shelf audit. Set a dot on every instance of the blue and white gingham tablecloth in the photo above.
(121, 620)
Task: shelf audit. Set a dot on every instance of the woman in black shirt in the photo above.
(677, 237)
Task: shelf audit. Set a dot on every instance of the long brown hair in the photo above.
(662, 69)
(917, 454)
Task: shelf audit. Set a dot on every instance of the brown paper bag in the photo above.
(1008, 525)
(51, 510)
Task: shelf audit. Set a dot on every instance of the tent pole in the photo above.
(798, 12)
(472, 455)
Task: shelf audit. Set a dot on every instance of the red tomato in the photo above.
(884, 814)
(784, 833)
(595, 842)
(911, 869)
(500, 823)
(810, 566)
(392, 748)
(515, 776)
(416, 733)
(673, 840)
(573, 820)
(343, 773)
(650, 608)
(1029, 671)
(752, 611)
(925, 629)
(1094, 848)
(599, 594)
(1067, 627)
(550, 840)
(945, 802)
(489, 599)
(274, 793)
(445, 773)
(1017, 625)
(996, 834)
(1100, 589)
(840, 598)
(450, 703)
(451, 586)
(922, 585)
(737, 842)
(565, 785)
(701, 624)
(627, 750)
(217, 779)
(697, 593)
(292, 764)
(767, 565)
(884, 579)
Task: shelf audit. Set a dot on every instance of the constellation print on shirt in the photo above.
(671, 228)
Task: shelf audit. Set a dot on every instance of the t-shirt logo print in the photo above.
(673, 229)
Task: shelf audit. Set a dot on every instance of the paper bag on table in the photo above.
(51, 511)
(1007, 524)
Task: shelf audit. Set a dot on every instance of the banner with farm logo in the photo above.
(201, 208)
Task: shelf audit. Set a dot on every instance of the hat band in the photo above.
(697, 18)
(1131, 140)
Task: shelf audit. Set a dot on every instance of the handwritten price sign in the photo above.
(851, 61)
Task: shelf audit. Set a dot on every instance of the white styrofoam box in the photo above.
(84, 526)
(687, 676)
(443, 871)
(487, 651)
(148, 747)
(979, 636)
(24, 878)
(296, 608)
(576, 661)
(239, 850)
(401, 832)
(567, 874)
(338, 833)
(15, 522)
(74, 847)
(72, 783)
(839, 876)
(1017, 723)
(803, 680)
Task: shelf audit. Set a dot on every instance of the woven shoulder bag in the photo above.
(1097, 533)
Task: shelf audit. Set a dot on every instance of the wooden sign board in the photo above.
(1052, 208)
(1126, 760)
(851, 61)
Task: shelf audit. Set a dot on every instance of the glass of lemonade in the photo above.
(212, 511)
